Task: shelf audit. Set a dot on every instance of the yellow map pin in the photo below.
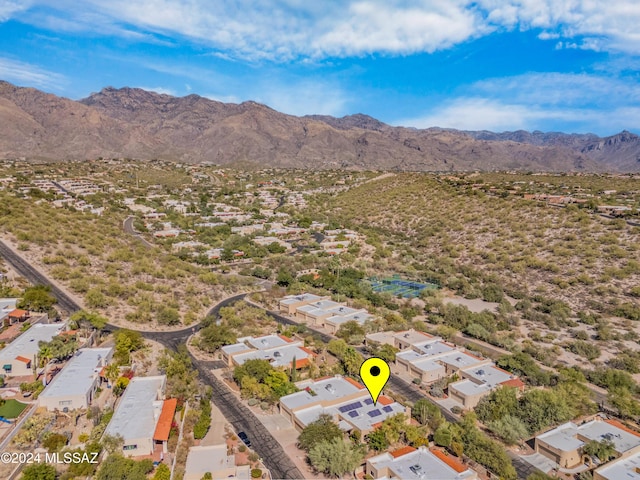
(375, 372)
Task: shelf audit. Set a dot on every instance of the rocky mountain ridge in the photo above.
(130, 122)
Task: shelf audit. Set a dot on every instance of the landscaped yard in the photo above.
(12, 409)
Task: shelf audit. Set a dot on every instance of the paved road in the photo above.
(36, 278)
(235, 412)
(242, 419)
(128, 227)
(408, 391)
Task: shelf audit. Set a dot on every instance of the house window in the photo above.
(130, 447)
(62, 403)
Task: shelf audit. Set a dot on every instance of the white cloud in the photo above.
(304, 97)
(160, 90)
(553, 88)
(596, 24)
(578, 102)
(222, 98)
(283, 30)
(9, 8)
(475, 114)
(26, 74)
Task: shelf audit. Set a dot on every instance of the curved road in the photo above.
(235, 412)
(127, 226)
(242, 419)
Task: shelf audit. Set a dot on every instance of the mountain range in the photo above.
(134, 123)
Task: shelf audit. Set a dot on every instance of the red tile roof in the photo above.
(23, 359)
(451, 461)
(303, 362)
(354, 383)
(166, 419)
(621, 426)
(17, 313)
(285, 338)
(307, 350)
(384, 400)
(402, 451)
(514, 382)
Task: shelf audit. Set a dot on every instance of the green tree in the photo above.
(127, 341)
(95, 299)
(53, 442)
(541, 408)
(279, 383)
(324, 429)
(112, 372)
(163, 472)
(540, 476)
(258, 369)
(60, 347)
(39, 471)
(37, 298)
(120, 386)
(377, 440)
(427, 413)
(284, 278)
(498, 404)
(604, 450)
(351, 332)
(168, 316)
(335, 457)
(215, 336)
(85, 468)
(117, 467)
(443, 436)
(509, 428)
(93, 319)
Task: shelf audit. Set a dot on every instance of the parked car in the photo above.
(245, 439)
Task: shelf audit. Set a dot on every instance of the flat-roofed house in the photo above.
(290, 303)
(479, 381)
(75, 386)
(563, 445)
(315, 313)
(278, 350)
(345, 400)
(215, 460)
(333, 323)
(16, 358)
(409, 463)
(143, 417)
(626, 467)
(400, 340)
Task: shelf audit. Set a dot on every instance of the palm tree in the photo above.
(45, 354)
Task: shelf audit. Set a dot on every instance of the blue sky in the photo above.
(551, 65)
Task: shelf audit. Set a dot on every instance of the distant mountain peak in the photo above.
(135, 123)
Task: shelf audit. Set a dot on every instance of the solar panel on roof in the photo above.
(374, 413)
(350, 406)
(387, 409)
(368, 401)
(353, 413)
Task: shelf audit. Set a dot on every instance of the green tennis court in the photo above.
(400, 287)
